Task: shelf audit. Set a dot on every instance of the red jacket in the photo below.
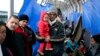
(43, 26)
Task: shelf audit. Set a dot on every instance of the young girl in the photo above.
(43, 29)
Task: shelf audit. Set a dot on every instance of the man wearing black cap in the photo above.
(28, 34)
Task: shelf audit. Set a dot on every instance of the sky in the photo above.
(4, 5)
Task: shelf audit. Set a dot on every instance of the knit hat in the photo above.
(23, 17)
(53, 9)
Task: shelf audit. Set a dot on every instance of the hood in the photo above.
(42, 15)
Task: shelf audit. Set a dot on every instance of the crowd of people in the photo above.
(17, 38)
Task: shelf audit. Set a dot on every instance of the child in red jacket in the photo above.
(43, 29)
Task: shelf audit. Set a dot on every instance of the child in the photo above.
(71, 46)
(81, 47)
(43, 29)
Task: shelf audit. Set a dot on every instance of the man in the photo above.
(4, 51)
(56, 34)
(11, 37)
(94, 49)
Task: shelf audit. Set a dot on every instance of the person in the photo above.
(43, 28)
(56, 34)
(81, 49)
(94, 49)
(11, 40)
(28, 35)
(71, 46)
(4, 51)
(68, 28)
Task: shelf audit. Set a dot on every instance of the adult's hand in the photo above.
(47, 39)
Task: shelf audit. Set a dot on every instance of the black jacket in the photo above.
(57, 39)
(31, 38)
(15, 42)
(6, 51)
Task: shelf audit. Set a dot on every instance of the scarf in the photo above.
(52, 22)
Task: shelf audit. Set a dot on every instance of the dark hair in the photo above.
(97, 38)
(2, 23)
(13, 16)
(81, 41)
(23, 17)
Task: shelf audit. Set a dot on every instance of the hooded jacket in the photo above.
(43, 27)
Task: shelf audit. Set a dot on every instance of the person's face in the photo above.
(46, 17)
(92, 41)
(52, 16)
(12, 23)
(81, 44)
(23, 23)
(2, 33)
